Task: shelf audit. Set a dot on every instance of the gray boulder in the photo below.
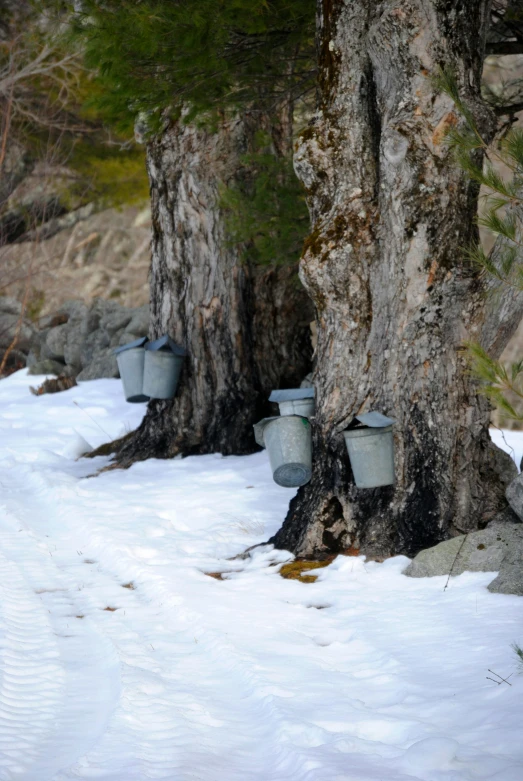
(499, 547)
(510, 577)
(10, 306)
(102, 364)
(79, 340)
(55, 342)
(10, 313)
(139, 323)
(117, 322)
(47, 366)
(73, 310)
(41, 350)
(514, 494)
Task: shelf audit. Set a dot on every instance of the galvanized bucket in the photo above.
(163, 364)
(130, 359)
(295, 401)
(289, 445)
(371, 450)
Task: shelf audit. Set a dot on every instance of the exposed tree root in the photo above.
(109, 448)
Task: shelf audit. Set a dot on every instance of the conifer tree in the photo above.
(215, 87)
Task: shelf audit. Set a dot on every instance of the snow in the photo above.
(121, 660)
(510, 441)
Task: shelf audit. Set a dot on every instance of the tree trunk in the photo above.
(246, 329)
(384, 266)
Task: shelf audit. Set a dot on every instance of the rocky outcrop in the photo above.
(78, 340)
(82, 255)
(498, 548)
(514, 494)
(14, 329)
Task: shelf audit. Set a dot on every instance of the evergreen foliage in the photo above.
(266, 215)
(213, 58)
(519, 653)
(110, 175)
(502, 217)
(502, 384)
(154, 55)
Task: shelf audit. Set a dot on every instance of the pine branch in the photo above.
(496, 380)
(519, 653)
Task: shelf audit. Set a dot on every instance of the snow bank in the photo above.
(122, 660)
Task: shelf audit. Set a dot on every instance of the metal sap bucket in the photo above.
(289, 445)
(371, 450)
(130, 359)
(163, 364)
(295, 401)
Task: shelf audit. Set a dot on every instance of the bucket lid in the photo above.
(166, 343)
(292, 394)
(131, 345)
(373, 419)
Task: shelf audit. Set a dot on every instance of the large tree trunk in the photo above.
(246, 329)
(395, 298)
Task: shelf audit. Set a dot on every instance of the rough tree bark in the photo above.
(384, 267)
(246, 329)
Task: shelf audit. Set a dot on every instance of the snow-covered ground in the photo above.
(121, 660)
(511, 442)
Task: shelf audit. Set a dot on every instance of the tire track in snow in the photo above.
(32, 677)
(189, 700)
(180, 720)
(60, 676)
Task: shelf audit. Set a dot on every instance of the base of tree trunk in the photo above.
(154, 439)
(396, 299)
(330, 515)
(245, 327)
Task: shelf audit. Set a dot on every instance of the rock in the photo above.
(49, 346)
(50, 321)
(16, 360)
(118, 321)
(499, 547)
(96, 343)
(47, 366)
(510, 577)
(37, 343)
(495, 475)
(55, 341)
(78, 341)
(514, 494)
(104, 255)
(74, 345)
(10, 306)
(139, 324)
(78, 326)
(102, 364)
(10, 312)
(33, 355)
(502, 464)
(75, 310)
(505, 516)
